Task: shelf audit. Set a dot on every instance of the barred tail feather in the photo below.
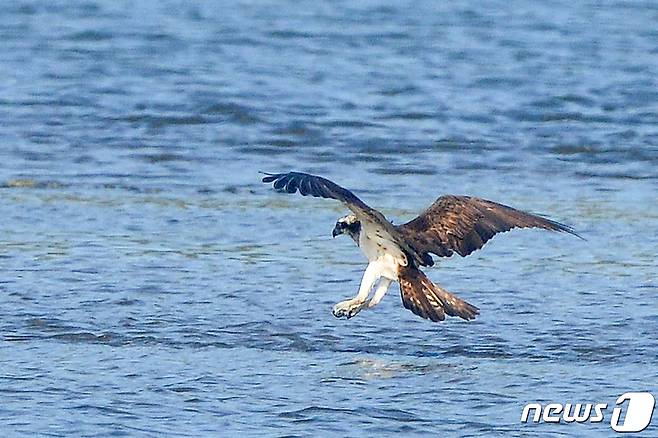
(430, 301)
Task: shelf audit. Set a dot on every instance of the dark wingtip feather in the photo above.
(558, 226)
(288, 182)
(280, 182)
(270, 176)
(568, 229)
(316, 186)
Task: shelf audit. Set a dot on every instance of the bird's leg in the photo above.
(382, 287)
(349, 308)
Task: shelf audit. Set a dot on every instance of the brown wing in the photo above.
(430, 301)
(371, 220)
(464, 224)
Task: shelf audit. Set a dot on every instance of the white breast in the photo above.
(377, 248)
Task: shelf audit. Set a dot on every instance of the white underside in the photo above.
(384, 257)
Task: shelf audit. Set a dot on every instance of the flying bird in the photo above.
(452, 224)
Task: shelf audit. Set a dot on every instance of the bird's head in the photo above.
(347, 225)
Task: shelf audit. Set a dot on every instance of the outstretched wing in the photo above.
(429, 300)
(372, 221)
(318, 187)
(463, 224)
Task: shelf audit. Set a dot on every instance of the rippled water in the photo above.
(151, 285)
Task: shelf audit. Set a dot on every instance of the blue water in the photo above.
(150, 285)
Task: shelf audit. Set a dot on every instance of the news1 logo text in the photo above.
(632, 412)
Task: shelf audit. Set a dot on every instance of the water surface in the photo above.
(151, 285)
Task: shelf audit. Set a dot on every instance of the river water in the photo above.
(152, 286)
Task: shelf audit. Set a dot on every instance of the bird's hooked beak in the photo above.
(337, 231)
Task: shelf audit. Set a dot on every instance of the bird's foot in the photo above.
(348, 308)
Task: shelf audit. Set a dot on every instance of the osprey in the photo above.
(452, 224)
